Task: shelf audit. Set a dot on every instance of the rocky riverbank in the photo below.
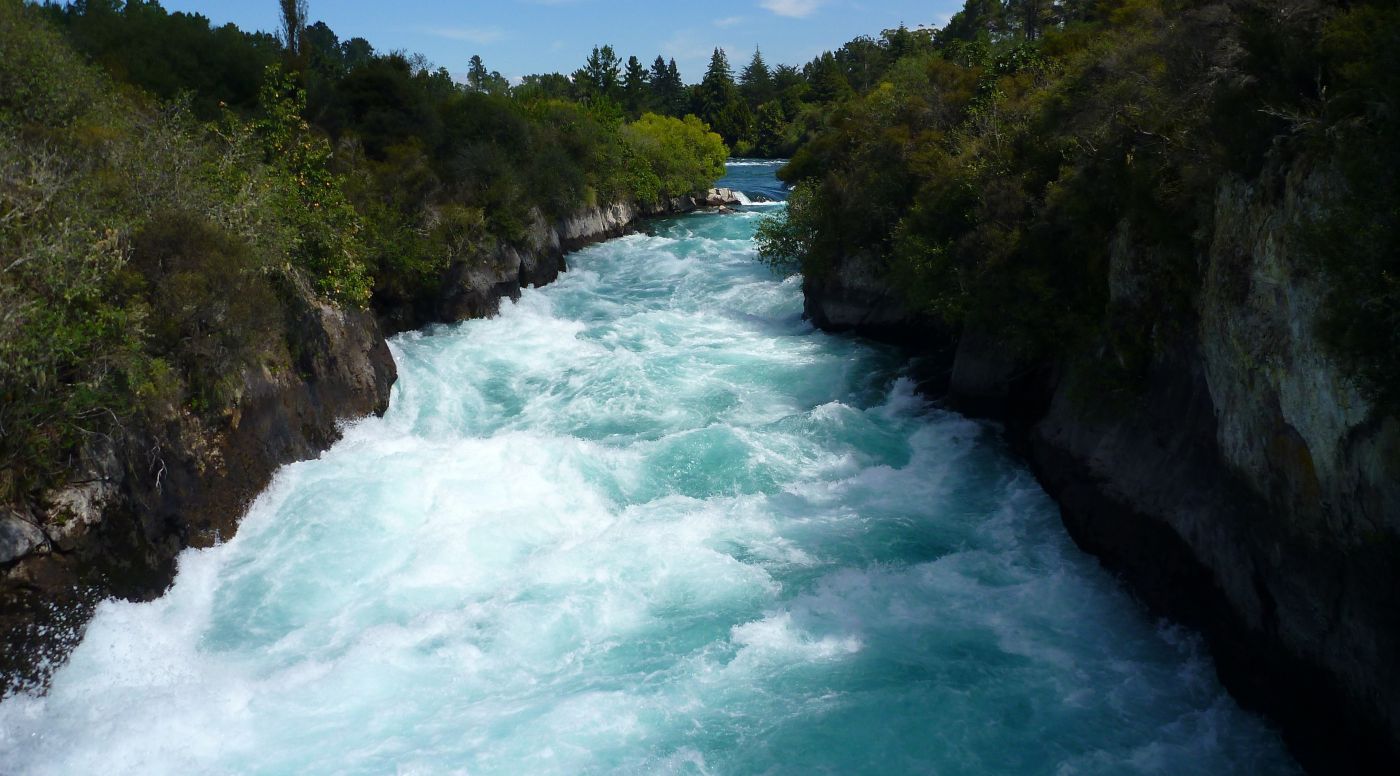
(1247, 488)
(137, 500)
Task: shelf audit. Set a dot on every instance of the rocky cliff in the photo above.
(1247, 488)
(184, 480)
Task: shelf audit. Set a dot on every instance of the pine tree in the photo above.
(718, 102)
(476, 74)
(600, 76)
(667, 91)
(634, 87)
(756, 82)
(677, 87)
(827, 81)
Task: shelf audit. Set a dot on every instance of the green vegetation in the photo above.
(145, 252)
(992, 166)
(168, 190)
(676, 155)
(765, 110)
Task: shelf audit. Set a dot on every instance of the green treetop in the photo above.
(634, 86)
(600, 77)
(755, 81)
(717, 100)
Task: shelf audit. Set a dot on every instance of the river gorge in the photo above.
(646, 520)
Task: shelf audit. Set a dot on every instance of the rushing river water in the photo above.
(645, 521)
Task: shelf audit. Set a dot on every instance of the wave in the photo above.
(745, 201)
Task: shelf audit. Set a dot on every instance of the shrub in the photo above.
(212, 310)
(682, 155)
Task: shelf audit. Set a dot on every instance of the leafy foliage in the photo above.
(677, 156)
(322, 227)
(993, 167)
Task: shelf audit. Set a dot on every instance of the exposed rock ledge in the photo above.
(1250, 491)
(137, 502)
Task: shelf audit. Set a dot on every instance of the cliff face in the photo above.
(1248, 489)
(185, 481)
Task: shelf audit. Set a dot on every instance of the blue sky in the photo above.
(518, 37)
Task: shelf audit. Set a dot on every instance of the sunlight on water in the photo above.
(645, 521)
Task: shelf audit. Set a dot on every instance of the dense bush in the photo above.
(673, 156)
(211, 307)
(992, 173)
(139, 249)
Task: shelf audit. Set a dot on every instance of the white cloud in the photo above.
(729, 21)
(793, 8)
(478, 35)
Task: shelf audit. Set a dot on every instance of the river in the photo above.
(647, 520)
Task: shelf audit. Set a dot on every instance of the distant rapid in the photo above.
(645, 521)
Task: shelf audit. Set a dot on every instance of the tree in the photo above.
(787, 77)
(828, 82)
(667, 91)
(899, 42)
(323, 49)
(543, 86)
(755, 81)
(863, 61)
(790, 87)
(634, 87)
(977, 20)
(600, 75)
(293, 24)
(768, 131)
(358, 52)
(1031, 16)
(476, 74)
(717, 100)
(678, 94)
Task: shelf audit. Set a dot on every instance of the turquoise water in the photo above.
(645, 521)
